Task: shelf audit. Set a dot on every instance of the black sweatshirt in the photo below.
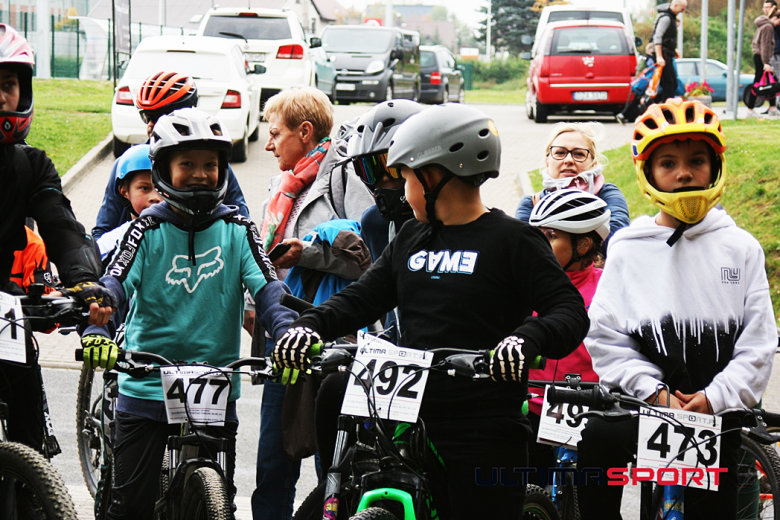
(31, 187)
(469, 287)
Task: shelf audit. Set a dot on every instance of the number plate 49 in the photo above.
(398, 375)
(559, 425)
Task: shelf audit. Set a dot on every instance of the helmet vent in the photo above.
(690, 113)
(668, 116)
(707, 118)
(182, 129)
(216, 129)
(651, 124)
(481, 156)
(360, 128)
(455, 147)
(638, 136)
(387, 123)
(484, 132)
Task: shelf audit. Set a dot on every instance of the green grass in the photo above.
(752, 195)
(509, 93)
(71, 117)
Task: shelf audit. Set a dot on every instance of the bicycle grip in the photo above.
(79, 354)
(539, 362)
(295, 303)
(596, 397)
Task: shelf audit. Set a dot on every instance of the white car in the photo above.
(226, 87)
(270, 37)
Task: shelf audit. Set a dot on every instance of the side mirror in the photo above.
(397, 54)
(526, 39)
(315, 42)
(525, 55)
(725, 74)
(258, 69)
(638, 42)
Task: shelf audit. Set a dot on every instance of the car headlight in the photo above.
(375, 66)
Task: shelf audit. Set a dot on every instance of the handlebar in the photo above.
(44, 312)
(139, 364)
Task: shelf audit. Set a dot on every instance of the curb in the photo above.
(86, 163)
(61, 364)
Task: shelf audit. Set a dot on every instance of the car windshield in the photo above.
(249, 27)
(356, 40)
(197, 65)
(559, 16)
(427, 59)
(588, 40)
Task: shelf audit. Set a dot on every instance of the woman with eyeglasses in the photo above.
(573, 161)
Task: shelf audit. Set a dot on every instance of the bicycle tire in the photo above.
(569, 508)
(374, 513)
(767, 471)
(538, 505)
(205, 497)
(311, 508)
(89, 442)
(23, 468)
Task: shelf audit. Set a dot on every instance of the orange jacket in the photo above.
(31, 265)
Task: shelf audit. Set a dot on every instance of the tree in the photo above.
(511, 20)
(439, 13)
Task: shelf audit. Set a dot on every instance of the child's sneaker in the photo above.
(773, 113)
(621, 118)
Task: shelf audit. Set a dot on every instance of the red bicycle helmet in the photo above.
(16, 55)
(164, 92)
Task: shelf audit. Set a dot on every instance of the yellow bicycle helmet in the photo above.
(679, 120)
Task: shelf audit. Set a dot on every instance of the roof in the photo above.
(328, 9)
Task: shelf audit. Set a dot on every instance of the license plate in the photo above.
(590, 96)
(345, 86)
(255, 56)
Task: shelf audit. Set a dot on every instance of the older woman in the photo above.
(573, 161)
(314, 187)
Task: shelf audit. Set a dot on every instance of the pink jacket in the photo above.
(577, 362)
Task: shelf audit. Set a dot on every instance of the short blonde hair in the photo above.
(297, 105)
(592, 132)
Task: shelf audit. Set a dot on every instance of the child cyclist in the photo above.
(576, 223)
(684, 301)
(159, 95)
(134, 184)
(498, 271)
(181, 260)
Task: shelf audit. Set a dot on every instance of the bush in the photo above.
(499, 71)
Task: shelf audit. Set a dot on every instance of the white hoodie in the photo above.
(697, 316)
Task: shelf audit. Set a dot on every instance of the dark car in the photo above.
(688, 70)
(441, 80)
(374, 63)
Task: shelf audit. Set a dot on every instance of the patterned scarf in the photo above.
(293, 182)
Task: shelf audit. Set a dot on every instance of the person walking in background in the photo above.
(763, 51)
(665, 41)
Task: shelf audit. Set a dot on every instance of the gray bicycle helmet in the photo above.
(459, 139)
(189, 129)
(576, 212)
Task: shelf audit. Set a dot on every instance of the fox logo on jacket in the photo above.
(182, 271)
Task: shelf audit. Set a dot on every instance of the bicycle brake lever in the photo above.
(614, 414)
(473, 366)
(331, 359)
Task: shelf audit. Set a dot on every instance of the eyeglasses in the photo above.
(372, 168)
(559, 153)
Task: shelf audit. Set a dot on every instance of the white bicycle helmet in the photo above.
(574, 211)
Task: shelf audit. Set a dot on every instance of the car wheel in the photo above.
(416, 93)
(446, 97)
(540, 112)
(119, 147)
(241, 149)
(461, 95)
(529, 106)
(254, 136)
(389, 94)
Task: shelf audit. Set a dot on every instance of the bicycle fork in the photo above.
(330, 507)
(673, 503)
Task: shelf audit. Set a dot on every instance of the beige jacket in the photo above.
(764, 40)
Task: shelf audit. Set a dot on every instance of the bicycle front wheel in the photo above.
(30, 487)
(205, 497)
(538, 505)
(374, 513)
(759, 481)
(88, 427)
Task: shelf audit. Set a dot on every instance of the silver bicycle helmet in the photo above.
(574, 211)
(189, 129)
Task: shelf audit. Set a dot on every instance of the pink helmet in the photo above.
(16, 55)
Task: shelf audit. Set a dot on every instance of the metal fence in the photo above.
(80, 47)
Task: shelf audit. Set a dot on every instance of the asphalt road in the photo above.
(522, 151)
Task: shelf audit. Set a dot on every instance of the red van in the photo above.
(580, 65)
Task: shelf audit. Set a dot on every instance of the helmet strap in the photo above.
(677, 233)
(432, 195)
(575, 254)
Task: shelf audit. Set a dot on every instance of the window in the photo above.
(358, 40)
(715, 70)
(607, 41)
(249, 27)
(686, 68)
(427, 59)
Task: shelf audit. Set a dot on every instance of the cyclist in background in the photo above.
(134, 184)
(159, 95)
(31, 187)
(182, 266)
(683, 301)
(576, 223)
(461, 276)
